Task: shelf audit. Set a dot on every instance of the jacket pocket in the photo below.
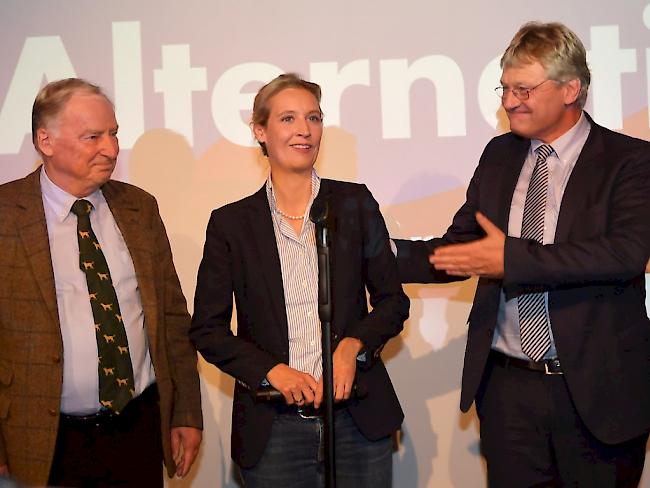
(5, 401)
(6, 374)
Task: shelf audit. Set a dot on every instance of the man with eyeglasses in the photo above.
(557, 227)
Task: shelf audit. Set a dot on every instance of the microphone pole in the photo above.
(319, 215)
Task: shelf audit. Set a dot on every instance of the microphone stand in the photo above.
(319, 215)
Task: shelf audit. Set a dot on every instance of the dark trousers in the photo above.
(532, 436)
(111, 451)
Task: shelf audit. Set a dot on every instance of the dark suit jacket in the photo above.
(594, 274)
(241, 257)
(31, 357)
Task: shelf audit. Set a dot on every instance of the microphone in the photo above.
(268, 394)
(320, 215)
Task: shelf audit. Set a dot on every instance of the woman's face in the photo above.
(293, 131)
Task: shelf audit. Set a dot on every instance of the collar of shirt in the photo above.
(59, 200)
(315, 188)
(567, 147)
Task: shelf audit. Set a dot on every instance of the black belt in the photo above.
(546, 366)
(307, 411)
(105, 417)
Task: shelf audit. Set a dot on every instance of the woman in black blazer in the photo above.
(262, 250)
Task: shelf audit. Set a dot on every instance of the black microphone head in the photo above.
(319, 211)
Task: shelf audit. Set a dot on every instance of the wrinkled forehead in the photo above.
(522, 61)
(529, 71)
(83, 108)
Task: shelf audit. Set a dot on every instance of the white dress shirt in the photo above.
(567, 148)
(80, 395)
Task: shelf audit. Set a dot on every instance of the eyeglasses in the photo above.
(521, 92)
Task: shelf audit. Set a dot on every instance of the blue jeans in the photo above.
(293, 457)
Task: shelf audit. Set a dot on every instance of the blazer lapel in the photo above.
(137, 235)
(506, 181)
(32, 229)
(260, 225)
(583, 172)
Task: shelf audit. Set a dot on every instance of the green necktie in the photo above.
(116, 385)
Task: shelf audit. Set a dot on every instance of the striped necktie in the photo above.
(116, 385)
(534, 324)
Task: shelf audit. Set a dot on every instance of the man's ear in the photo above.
(44, 141)
(571, 91)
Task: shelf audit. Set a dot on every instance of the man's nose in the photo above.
(110, 146)
(509, 101)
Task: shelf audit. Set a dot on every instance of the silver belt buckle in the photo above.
(547, 371)
(303, 415)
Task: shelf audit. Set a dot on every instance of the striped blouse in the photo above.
(299, 263)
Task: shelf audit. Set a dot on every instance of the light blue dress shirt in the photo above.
(560, 163)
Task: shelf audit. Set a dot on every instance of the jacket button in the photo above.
(56, 359)
(52, 412)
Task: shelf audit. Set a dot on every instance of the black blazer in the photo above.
(241, 258)
(594, 273)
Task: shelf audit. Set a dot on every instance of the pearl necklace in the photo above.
(290, 217)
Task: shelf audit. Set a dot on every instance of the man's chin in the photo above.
(101, 177)
(519, 129)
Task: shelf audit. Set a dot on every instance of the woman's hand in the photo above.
(296, 387)
(344, 368)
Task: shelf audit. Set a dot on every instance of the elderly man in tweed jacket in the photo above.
(53, 428)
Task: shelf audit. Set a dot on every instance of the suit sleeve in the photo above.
(182, 356)
(617, 250)
(413, 256)
(390, 306)
(213, 305)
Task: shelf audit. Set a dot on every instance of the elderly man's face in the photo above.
(80, 145)
(548, 112)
